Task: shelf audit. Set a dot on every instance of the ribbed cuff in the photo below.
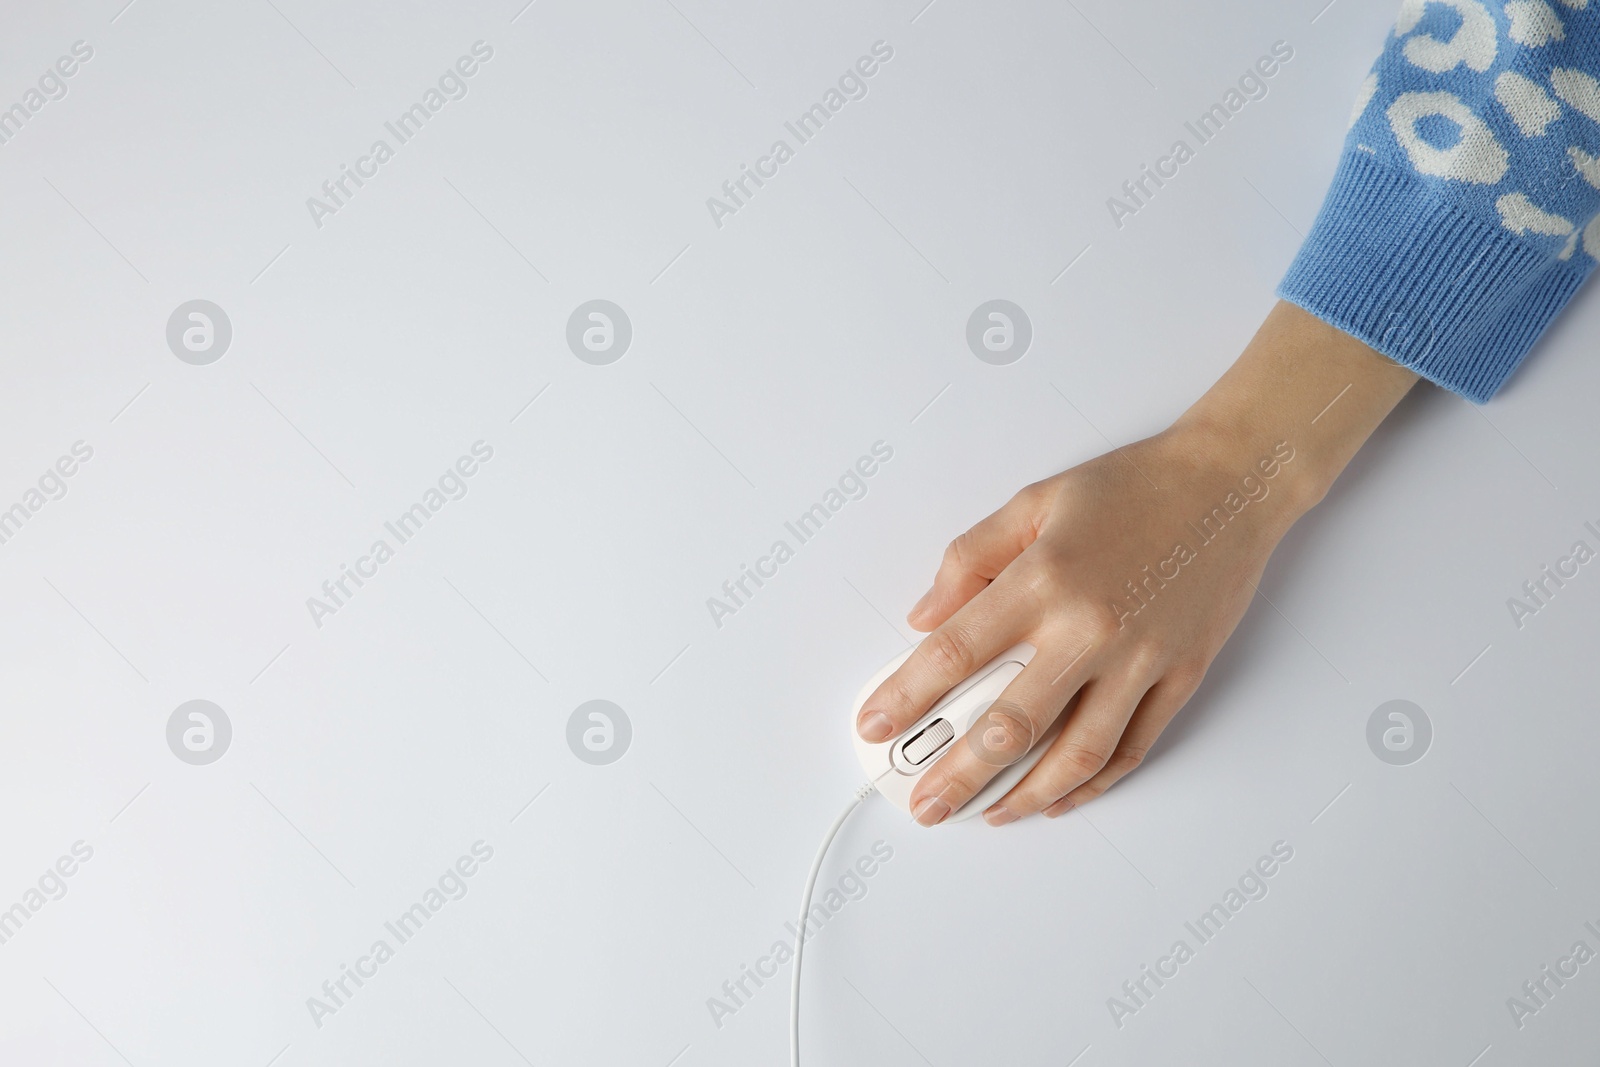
(1457, 299)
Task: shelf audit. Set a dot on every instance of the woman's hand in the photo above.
(1128, 573)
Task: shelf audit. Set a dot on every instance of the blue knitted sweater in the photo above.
(1465, 211)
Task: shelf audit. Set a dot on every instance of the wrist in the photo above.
(1257, 458)
(1303, 385)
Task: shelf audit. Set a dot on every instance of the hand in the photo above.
(1128, 573)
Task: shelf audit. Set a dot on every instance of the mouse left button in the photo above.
(876, 758)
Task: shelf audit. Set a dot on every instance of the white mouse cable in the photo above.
(861, 793)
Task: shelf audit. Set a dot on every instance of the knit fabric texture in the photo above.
(1465, 210)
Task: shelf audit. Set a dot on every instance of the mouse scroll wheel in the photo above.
(929, 740)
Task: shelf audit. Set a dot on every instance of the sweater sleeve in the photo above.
(1465, 210)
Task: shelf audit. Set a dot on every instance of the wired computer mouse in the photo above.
(895, 765)
(998, 736)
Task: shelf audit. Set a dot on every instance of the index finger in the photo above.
(983, 628)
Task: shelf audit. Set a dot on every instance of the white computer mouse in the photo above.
(895, 765)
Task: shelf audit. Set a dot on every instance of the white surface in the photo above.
(373, 752)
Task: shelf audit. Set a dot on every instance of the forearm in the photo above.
(1302, 382)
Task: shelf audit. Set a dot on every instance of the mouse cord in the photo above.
(805, 907)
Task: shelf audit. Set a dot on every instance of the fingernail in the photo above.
(916, 609)
(998, 816)
(876, 727)
(931, 811)
(1059, 808)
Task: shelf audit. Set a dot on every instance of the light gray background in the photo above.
(767, 355)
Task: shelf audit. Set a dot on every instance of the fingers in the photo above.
(982, 629)
(1093, 738)
(1001, 736)
(1155, 711)
(977, 557)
